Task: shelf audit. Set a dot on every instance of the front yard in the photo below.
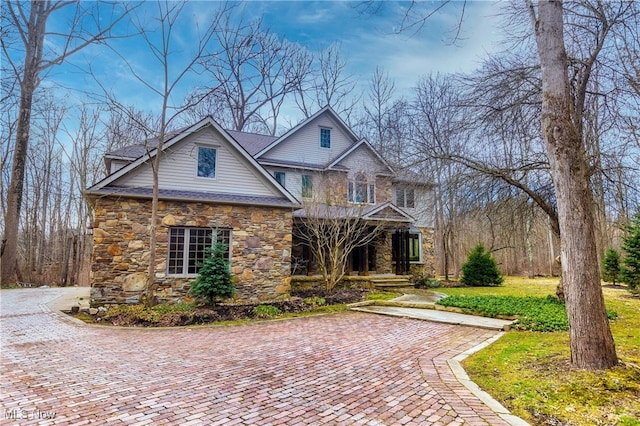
(530, 373)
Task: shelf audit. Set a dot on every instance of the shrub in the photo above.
(315, 301)
(631, 245)
(214, 278)
(480, 269)
(611, 266)
(266, 311)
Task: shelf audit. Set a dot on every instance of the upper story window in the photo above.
(207, 162)
(360, 191)
(281, 177)
(325, 138)
(307, 186)
(405, 197)
(187, 248)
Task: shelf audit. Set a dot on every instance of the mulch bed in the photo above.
(228, 312)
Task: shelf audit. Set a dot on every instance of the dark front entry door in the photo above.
(400, 251)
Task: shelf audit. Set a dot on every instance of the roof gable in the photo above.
(301, 144)
(250, 178)
(364, 154)
(387, 212)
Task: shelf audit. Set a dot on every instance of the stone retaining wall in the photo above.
(260, 246)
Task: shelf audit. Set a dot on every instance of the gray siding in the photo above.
(363, 160)
(424, 211)
(178, 169)
(304, 145)
(293, 180)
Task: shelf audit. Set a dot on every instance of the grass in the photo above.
(383, 295)
(530, 372)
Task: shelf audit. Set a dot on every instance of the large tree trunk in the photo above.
(28, 85)
(591, 342)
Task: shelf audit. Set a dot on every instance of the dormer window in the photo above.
(325, 138)
(206, 162)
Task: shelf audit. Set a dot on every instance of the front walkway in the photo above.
(343, 369)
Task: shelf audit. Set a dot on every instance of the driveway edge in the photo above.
(462, 376)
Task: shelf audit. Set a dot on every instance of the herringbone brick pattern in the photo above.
(343, 369)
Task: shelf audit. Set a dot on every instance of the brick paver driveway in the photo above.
(349, 368)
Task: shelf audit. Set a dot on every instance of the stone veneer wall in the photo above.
(427, 269)
(260, 240)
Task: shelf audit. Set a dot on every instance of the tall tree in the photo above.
(173, 69)
(30, 23)
(591, 341)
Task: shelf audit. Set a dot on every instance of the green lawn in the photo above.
(530, 372)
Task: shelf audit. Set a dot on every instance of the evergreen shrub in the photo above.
(481, 269)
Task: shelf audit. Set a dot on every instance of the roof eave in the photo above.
(102, 193)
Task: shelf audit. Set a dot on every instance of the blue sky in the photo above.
(367, 41)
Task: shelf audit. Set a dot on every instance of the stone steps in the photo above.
(394, 281)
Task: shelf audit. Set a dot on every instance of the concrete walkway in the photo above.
(420, 304)
(343, 369)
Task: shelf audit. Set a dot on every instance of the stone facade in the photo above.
(260, 249)
(426, 269)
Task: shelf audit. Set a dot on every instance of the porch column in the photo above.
(365, 259)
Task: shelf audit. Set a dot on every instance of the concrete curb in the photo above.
(463, 378)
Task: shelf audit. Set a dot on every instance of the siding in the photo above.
(423, 213)
(234, 175)
(293, 180)
(117, 165)
(304, 145)
(363, 160)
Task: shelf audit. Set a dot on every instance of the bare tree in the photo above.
(30, 26)
(332, 228)
(168, 16)
(591, 341)
(252, 72)
(330, 85)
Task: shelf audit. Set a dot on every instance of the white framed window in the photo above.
(361, 191)
(307, 186)
(415, 248)
(207, 162)
(187, 247)
(405, 197)
(325, 138)
(281, 177)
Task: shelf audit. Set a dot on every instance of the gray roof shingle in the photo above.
(195, 196)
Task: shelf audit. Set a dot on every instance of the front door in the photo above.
(400, 251)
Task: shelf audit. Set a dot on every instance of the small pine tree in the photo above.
(481, 269)
(214, 278)
(611, 267)
(631, 260)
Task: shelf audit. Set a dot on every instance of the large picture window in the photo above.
(206, 162)
(187, 248)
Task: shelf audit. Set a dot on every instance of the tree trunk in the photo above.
(591, 341)
(33, 57)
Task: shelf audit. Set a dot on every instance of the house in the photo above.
(248, 191)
